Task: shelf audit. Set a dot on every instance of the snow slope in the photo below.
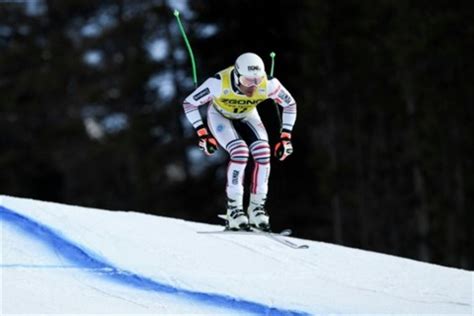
(65, 259)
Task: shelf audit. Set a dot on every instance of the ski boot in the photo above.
(258, 217)
(237, 220)
(236, 217)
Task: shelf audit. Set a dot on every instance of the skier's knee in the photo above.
(239, 152)
(261, 152)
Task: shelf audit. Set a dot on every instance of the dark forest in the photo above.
(91, 113)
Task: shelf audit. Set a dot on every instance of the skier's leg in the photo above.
(225, 133)
(260, 150)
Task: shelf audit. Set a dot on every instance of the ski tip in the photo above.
(286, 232)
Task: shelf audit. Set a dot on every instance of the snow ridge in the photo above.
(65, 259)
(81, 257)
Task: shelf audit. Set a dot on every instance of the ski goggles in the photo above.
(250, 81)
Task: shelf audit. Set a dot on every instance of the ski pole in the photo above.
(272, 56)
(190, 50)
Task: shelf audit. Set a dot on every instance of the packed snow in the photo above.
(65, 259)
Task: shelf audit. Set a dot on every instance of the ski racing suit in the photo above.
(231, 115)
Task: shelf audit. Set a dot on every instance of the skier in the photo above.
(232, 96)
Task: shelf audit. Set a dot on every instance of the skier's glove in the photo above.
(284, 148)
(207, 143)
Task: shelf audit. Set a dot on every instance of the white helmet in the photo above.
(249, 69)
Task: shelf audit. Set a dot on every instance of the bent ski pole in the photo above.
(272, 55)
(190, 50)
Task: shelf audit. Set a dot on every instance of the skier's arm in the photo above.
(201, 96)
(282, 97)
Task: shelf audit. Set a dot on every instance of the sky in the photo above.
(65, 259)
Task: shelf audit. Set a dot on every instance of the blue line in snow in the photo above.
(35, 266)
(85, 259)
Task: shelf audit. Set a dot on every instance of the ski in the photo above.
(285, 232)
(278, 236)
